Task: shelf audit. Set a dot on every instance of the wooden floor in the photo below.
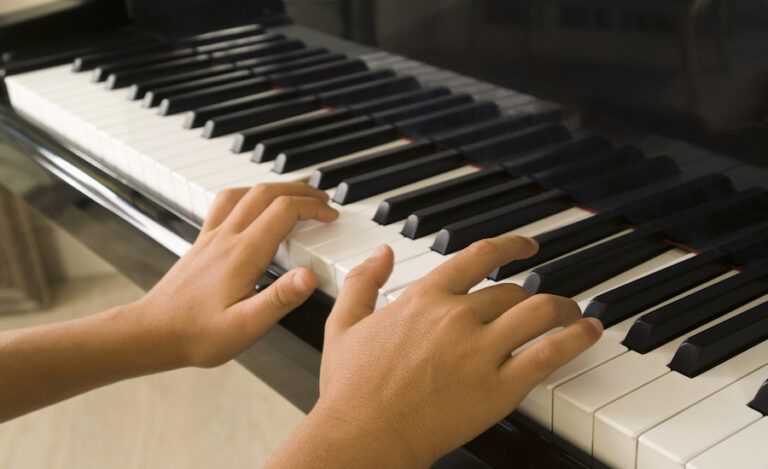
(184, 419)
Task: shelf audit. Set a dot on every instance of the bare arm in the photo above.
(404, 385)
(202, 313)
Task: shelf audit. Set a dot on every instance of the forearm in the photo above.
(324, 441)
(43, 365)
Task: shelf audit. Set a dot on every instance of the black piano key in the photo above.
(269, 149)
(410, 111)
(295, 61)
(481, 131)
(231, 123)
(401, 99)
(330, 176)
(736, 212)
(578, 272)
(663, 203)
(679, 192)
(222, 34)
(630, 177)
(669, 322)
(262, 49)
(671, 200)
(101, 72)
(750, 246)
(564, 153)
(720, 342)
(637, 296)
(200, 116)
(567, 239)
(447, 119)
(125, 78)
(314, 153)
(139, 89)
(345, 81)
(501, 220)
(261, 63)
(398, 175)
(368, 92)
(155, 96)
(248, 139)
(588, 167)
(318, 72)
(760, 402)
(399, 207)
(89, 61)
(260, 66)
(194, 99)
(431, 219)
(506, 147)
(227, 44)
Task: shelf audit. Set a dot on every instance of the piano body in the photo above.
(629, 137)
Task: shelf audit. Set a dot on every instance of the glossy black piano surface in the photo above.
(655, 73)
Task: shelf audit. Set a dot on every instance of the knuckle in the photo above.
(284, 203)
(263, 190)
(484, 247)
(227, 195)
(549, 355)
(513, 289)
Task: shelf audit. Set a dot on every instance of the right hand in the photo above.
(437, 367)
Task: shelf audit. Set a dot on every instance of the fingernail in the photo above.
(380, 251)
(596, 324)
(299, 283)
(533, 242)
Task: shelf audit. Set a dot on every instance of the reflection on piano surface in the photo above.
(663, 241)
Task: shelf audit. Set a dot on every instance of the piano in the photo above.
(628, 137)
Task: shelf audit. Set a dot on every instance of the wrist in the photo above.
(362, 442)
(147, 346)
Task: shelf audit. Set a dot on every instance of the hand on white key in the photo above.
(205, 304)
(430, 371)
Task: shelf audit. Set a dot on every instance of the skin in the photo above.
(202, 313)
(429, 372)
(398, 388)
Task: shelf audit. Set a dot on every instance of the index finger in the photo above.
(273, 226)
(470, 266)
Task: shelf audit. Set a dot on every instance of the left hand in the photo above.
(205, 309)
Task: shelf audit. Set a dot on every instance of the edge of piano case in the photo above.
(115, 220)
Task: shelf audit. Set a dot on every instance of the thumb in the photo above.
(262, 311)
(357, 298)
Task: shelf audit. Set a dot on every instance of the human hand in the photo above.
(205, 309)
(438, 366)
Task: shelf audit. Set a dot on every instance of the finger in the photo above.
(358, 295)
(492, 301)
(256, 315)
(225, 201)
(271, 228)
(531, 366)
(470, 266)
(529, 319)
(261, 196)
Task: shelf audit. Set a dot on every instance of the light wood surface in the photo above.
(188, 418)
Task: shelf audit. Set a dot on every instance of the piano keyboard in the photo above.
(666, 251)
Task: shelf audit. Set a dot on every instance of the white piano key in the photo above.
(744, 450)
(403, 249)
(619, 424)
(368, 206)
(407, 272)
(538, 405)
(691, 432)
(576, 401)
